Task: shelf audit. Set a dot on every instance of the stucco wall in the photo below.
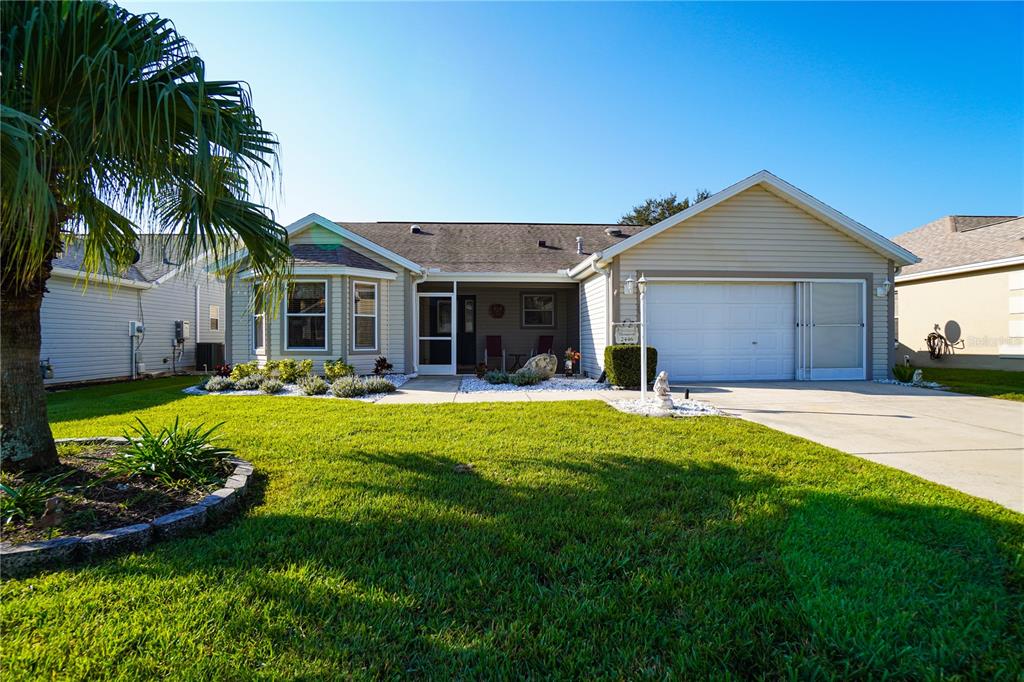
(985, 310)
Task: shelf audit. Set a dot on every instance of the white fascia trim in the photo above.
(590, 262)
(317, 219)
(80, 276)
(957, 269)
(333, 270)
(795, 195)
(1011, 350)
(520, 277)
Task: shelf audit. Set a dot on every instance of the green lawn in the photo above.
(588, 544)
(993, 383)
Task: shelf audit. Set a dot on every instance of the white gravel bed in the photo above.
(910, 384)
(680, 408)
(293, 391)
(555, 383)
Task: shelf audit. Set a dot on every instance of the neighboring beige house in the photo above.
(760, 281)
(969, 286)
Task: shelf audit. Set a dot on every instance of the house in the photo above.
(758, 282)
(969, 287)
(157, 313)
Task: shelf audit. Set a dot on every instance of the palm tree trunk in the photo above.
(26, 441)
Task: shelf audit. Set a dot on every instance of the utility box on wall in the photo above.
(182, 329)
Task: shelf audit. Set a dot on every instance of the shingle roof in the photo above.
(330, 254)
(963, 240)
(492, 247)
(158, 255)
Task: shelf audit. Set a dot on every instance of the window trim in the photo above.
(211, 318)
(325, 314)
(257, 314)
(375, 316)
(522, 310)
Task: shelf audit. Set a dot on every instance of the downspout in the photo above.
(198, 330)
(418, 279)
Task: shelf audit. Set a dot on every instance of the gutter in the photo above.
(78, 275)
(959, 269)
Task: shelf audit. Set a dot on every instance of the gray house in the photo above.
(154, 315)
(761, 281)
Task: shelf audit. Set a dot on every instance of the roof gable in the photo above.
(783, 189)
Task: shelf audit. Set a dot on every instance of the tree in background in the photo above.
(107, 122)
(655, 210)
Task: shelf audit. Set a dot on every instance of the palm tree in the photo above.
(107, 122)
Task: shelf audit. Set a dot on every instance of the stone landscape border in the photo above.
(27, 558)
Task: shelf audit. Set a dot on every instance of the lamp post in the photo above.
(641, 285)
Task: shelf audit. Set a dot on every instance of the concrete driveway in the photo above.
(969, 443)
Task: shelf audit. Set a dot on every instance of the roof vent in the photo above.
(415, 229)
(542, 244)
(579, 245)
(613, 231)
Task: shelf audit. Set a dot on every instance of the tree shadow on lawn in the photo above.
(618, 566)
(90, 402)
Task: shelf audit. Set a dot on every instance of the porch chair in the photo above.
(545, 344)
(494, 348)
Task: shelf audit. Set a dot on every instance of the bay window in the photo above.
(306, 315)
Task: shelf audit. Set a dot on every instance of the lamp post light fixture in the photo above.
(641, 285)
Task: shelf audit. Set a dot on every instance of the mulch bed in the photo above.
(95, 501)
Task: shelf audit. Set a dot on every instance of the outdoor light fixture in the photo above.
(641, 285)
(882, 290)
(629, 286)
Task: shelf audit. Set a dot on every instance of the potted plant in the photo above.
(571, 356)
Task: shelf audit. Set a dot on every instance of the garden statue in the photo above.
(918, 377)
(662, 390)
(544, 365)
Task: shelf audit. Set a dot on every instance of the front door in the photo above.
(435, 342)
(465, 337)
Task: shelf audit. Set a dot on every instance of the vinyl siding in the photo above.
(85, 330)
(756, 231)
(594, 324)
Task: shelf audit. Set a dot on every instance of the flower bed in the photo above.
(680, 408)
(294, 390)
(556, 383)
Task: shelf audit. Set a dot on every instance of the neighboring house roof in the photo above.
(158, 254)
(493, 247)
(781, 188)
(311, 255)
(962, 244)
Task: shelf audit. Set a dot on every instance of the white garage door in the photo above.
(723, 332)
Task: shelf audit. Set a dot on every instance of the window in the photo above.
(538, 310)
(364, 316)
(259, 329)
(214, 317)
(306, 316)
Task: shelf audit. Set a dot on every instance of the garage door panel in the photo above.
(719, 331)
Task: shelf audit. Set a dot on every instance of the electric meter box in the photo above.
(182, 330)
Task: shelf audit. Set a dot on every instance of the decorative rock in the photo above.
(180, 522)
(663, 391)
(243, 470)
(544, 365)
(219, 502)
(94, 440)
(117, 540)
(19, 559)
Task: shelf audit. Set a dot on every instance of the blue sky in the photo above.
(895, 114)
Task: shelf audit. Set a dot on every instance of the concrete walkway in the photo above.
(966, 442)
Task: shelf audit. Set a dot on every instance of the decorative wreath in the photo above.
(497, 311)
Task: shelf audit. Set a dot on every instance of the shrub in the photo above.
(28, 500)
(269, 369)
(524, 377)
(270, 386)
(219, 383)
(313, 385)
(496, 376)
(382, 366)
(249, 383)
(622, 365)
(174, 454)
(291, 371)
(336, 369)
(245, 369)
(348, 387)
(904, 373)
(378, 385)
